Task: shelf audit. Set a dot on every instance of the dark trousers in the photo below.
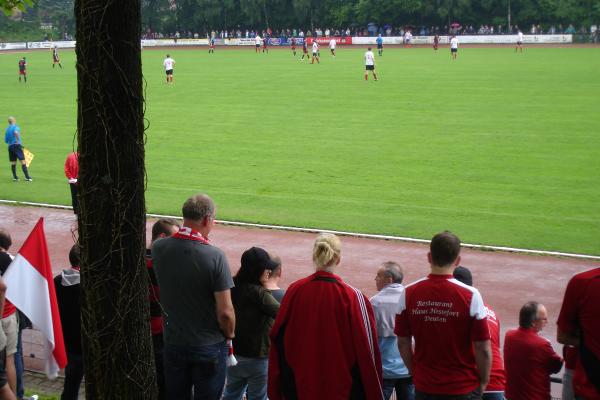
(73, 187)
(158, 344)
(73, 377)
(405, 390)
(475, 395)
(197, 369)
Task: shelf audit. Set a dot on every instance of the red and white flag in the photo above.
(31, 289)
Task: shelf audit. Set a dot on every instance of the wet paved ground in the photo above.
(506, 280)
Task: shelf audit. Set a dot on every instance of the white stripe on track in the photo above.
(342, 233)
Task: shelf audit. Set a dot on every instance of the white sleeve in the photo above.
(477, 307)
(401, 302)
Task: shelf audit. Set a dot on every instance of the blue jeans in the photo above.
(249, 374)
(493, 396)
(198, 368)
(19, 367)
(405, 390)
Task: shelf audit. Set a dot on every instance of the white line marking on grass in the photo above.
(341, 233)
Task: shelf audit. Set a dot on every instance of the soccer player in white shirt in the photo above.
(519, 41)
(315, 48)
(453, 47)
(370, 64)
(168, 63)
(257, 42)
(332, 45)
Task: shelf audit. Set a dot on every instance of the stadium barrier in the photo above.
(469, 39)
(348, 40)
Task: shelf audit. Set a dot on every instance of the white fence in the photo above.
(359, 40)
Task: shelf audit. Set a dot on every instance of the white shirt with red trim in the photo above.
(445, 317)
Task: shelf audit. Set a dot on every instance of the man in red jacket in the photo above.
(72, 172)
(528, 357)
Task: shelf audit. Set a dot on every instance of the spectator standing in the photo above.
(255, 310)
(385, 303)
(570, 357)
(529, 358)
(164, 227)
(10, 323)
(579, 326)
(5, 392)
(12, 137)
(195, 282)
(495, 389)
(323, 340)
(448, 320)
(72, 172)
(68, 297)
(273, 281)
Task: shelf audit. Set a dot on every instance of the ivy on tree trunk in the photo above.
(117, 345)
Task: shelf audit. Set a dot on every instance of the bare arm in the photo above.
(483, 358)
(225, 313)
(406, 351)
(566, 338)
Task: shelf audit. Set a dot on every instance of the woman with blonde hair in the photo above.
(323, 342)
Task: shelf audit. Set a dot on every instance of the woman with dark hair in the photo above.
(255, 310)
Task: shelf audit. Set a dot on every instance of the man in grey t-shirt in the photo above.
(194, 281)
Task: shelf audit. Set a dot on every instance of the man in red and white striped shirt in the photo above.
(448, 321)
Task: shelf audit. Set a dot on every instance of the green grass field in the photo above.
(501, 148)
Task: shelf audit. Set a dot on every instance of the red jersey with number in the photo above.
(529, 360)
(445, 317)
(580, 312)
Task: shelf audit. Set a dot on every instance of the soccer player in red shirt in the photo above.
(23, 69)
(304, 51)
(293, 43)
(528, 357)
(579, 326)
(448, 321)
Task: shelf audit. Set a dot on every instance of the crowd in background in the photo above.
(373, 30)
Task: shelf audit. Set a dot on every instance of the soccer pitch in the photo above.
(501, 148)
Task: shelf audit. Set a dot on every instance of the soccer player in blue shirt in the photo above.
(12, 137)
(379, 41)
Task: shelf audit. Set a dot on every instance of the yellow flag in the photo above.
(28, 156)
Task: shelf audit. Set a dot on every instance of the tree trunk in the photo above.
(110, 129)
